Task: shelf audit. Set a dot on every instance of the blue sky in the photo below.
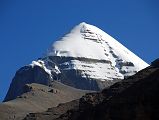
(28, 27)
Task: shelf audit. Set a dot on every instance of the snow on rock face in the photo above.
(41, 64)
(89, 42)
(48, 69)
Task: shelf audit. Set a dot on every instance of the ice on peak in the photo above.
(79, 28)
(83, 23)
(84, 27)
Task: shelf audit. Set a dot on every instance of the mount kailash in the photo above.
(87, 58)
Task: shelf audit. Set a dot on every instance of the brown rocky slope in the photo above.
(38, 98)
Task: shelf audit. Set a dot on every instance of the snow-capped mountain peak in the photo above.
(89, 42)
(86, 58)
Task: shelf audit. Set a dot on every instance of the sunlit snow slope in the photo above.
(96, 54)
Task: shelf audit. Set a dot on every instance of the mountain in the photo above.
(86, 58)
(134, 98)
(94, 56)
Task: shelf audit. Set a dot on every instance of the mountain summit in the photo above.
(94, 55)
(86, 58)
(90, 43)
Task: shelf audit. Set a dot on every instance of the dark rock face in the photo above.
(135, 98)
(155, 63)
(27, 75)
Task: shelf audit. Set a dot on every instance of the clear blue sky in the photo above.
(28, 27)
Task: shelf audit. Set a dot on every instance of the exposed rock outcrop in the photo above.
(155, 63)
